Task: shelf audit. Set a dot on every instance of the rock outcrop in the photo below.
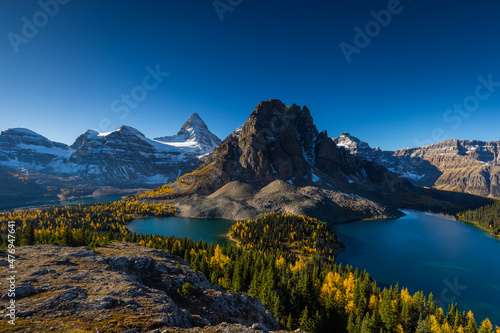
(281, 142)
(123, 287)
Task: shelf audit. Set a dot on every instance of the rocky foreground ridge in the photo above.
(125, 287)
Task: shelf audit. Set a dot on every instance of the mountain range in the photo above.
(468, 166)
(278, 160)
(123, 159)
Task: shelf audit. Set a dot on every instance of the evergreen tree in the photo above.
(366, 324)
(67, 237)
(351, 323)
(471, 323)
(423, 326)
(306, 323)
(28, 237)
(289, 323)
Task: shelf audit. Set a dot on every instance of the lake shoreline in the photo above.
(208, 230)
(476, 225)
(228, 235)
(424, 252)
(440, 215)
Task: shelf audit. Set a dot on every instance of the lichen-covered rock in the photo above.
(123, 287)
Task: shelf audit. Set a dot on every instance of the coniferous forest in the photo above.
(287, 261)
(486, 217)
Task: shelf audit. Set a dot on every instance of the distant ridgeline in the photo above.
(287, 261)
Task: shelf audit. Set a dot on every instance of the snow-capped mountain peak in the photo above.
(351, 143)
(195, 122)
(25, 136)
(196, 131)
(123, 129)
(124, 157)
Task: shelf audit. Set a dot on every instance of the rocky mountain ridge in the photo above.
(468, 166)
(124, 287)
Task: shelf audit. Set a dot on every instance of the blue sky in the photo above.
(72, 74)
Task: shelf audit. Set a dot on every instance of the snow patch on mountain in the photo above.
(193, 134)
(124, 156)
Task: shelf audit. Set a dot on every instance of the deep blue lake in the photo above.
(455, 261)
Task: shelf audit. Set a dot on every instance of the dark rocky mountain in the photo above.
(468, 166)
(281, 142)
(126, 287)
(123, 158)
(279, 161)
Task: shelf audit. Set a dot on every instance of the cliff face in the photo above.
(465, 165)
(281, 142)
(124, 287)
(468, 166)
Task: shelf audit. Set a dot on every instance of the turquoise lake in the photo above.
(455, 261)
(209, 230)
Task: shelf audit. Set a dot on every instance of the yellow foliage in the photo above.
(446, 328)
(350, 307)
(373, 303)
(435, 327)
(405, 296)
(486, 326)
(219, 259)
(280, 262)
(299, 265)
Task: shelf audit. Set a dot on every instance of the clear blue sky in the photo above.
(64, 79)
